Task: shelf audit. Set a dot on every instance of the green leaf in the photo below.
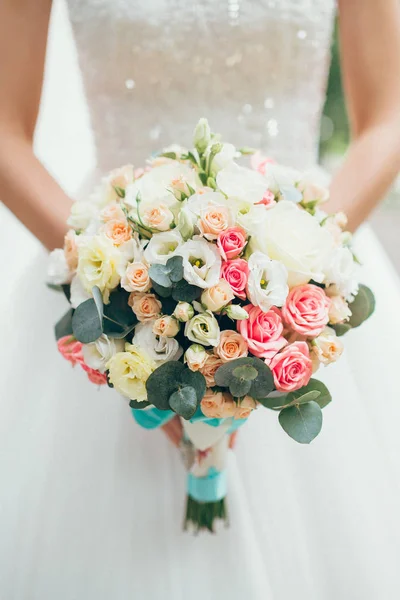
(184, 292)
(118, 332)
(118, 309)
(175, 268)
(302, 422)
(138, 405)
(341, 328)
(63, 327)
(324, 396)
(163, 382)
(168, 155)
(159, 274)
(261, 386)
(86, 323)
(196, 380)
(274, 400)
(362, 306)
(245, 372)
(300, 397)
(163, 292)
(239, 387)
(184, 402)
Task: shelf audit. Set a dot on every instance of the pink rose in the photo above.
(268, 199)
(307, 310)
(231, 242)
(259, 162)
(236, 273)
(231, 346)
(70, 349)
(95, 376)
(262, 331)
(292, 368)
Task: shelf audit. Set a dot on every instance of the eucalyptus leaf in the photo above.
(163, 382)
(196, 380)
(302, 397)
(245, 372)
(274, 400)
(341, 328)
(184, 292)
(362, 306)
(159, 274)
(118, 309)
(302, 422)
(163, 292)
(184, 402)
(138, 405)
(239, 387)
(175, 268)
(316, 385)
(87, 325)
(63, 327)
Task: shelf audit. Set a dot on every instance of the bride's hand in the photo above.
(173, 430)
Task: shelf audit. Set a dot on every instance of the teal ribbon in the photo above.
(211, 488)
(151, 418)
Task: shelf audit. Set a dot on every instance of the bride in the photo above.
(90, 505)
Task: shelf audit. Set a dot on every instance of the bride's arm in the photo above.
(25, 185)
(370, 49)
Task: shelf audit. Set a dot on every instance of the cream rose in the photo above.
(145, 306)
(118, 231)
(166, 326)
(217, 296)
(183, 312)
(214, 220)
(232, 345)
(327, 347)
(339, 310)
(212, 364)
(129, 371)
(82, 213)
(158, 217)
(97, 354)
(136, 278)
(195, 357)
(245, 407)
(160, 348)
(100, 264)
(295, 238)
(203, 329)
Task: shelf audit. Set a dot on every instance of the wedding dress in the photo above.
(90, 504)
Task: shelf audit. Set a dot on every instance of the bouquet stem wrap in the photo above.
(204, 446)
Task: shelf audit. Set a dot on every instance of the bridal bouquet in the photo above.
(209, 290)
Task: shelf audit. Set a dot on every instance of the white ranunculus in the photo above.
(162, 246)
(341, 272)
(155, 185)
(160, 349)
(82, 213)
(267, 283)
(242, 183)
(78, 292)
(295, 238)
(203, 329)
(57, 269)
(201, 262)
(97, 354)
(250, 217)
(281, 177)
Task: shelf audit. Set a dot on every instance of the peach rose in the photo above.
(245, 407)
(71, 250)
(112, 212)
(195, 357)
(218, 405)
(166, 326)
(70, 349)
(232, 242)
(145, 306)
(339, 310)
(211, 365)
(95, 376)
(118, 231)
(262, 331)
(306, 310)
(136, 278)
(214, 220)
(231, 346)
(217, 296)
(236, 273)
(121, 177)
(158, 217)
(292, 368)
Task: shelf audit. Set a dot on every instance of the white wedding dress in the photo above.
(91, 505)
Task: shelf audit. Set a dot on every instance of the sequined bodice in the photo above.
(256, 68)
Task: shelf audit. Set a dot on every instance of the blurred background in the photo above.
(333, 144)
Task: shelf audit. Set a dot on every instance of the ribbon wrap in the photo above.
(211, 488)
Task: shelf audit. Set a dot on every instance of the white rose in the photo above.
(203, 329)
(341, 272)
(242, 183)
(267, 282)
(100, 264)
(97, 354)
(201, 262)
(327, 347)
(82, 213)
(183, 311)
(195, 357)
(162, 246)
(339, 310)
(160, 349)
(295, 238)
(57, 269)
(166, 326)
